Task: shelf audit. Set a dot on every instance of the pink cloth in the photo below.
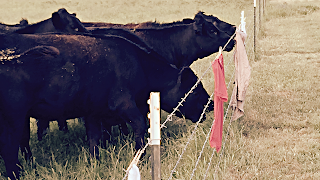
(220, 96)
(242, 76)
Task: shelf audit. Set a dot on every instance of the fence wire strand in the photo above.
(196, 126)
(224, 142)
(225, 116)
(207, 137)
(191, 136)
(169, 118)
(195, 168)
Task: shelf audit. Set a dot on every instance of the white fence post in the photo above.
(154, 116)
(243, 23)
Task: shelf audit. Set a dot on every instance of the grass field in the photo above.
(278, 138)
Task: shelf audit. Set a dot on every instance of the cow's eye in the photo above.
(213, 32)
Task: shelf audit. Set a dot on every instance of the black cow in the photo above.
(224, 26)
(182, 44)
(179, 43)
(5, 28)
(61, 21)
(69, 76)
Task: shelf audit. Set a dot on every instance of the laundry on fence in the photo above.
(242, 76)
(220, 96)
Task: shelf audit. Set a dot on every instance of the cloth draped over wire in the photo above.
(220, 96)
(242, 76)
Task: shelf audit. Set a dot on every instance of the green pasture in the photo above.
(279, 136)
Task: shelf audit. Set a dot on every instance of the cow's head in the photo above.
(66, 22)
(23, 22)
(195, 102)
(223, 26)
(209, 37)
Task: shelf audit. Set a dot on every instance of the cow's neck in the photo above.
(161, 77)
(176, 43)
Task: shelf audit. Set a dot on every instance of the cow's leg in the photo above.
(93, 129)
(24, 144)
(124, 128)
(43, 126)
(139, 127)
(63, 126)
(11, 130)
(137, 122)
(106, 131)
(10, 157)
(126, 108)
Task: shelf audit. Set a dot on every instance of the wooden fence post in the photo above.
(264, 5)
(254, 27)
(260, 14)
(154, 116)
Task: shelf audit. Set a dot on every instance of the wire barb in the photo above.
(169, 118)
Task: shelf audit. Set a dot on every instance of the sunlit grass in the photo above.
(278, 138)
(289, 9)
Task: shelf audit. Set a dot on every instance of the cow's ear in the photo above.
(24, 22)
(57, 21)
(198, 23)
(60, 18)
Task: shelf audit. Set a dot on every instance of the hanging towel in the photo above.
(242, 76)
(134, 173)
(220, 96)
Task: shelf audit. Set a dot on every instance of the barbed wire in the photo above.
(191, 136)
(207, 137)
(169, 118)
(196, 126)
(222, 150)
(224, 142)
(213, 122)
(136, 158)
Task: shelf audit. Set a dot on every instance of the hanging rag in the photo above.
(220, 96)
(242, 76)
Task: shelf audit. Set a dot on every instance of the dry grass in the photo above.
(277, 139)
(282, 122)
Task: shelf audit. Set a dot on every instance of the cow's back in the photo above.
(86, 74)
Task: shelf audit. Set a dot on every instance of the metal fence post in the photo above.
(154, 116)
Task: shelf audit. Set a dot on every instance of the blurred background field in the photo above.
(278, 138)
(119, 11)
